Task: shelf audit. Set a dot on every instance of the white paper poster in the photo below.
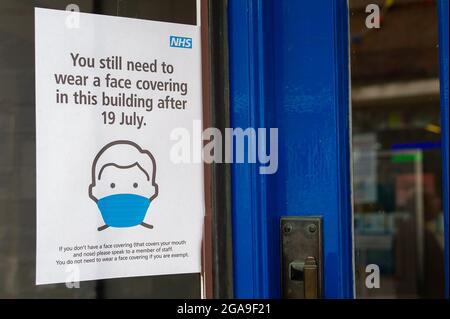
(111, 201)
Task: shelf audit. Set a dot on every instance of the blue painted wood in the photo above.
(444, 71)
(248, 190)
(289, 70)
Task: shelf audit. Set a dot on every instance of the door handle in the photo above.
(301, 257)
(307, 273)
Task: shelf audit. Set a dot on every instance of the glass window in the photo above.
(17, 155)
(398, 219)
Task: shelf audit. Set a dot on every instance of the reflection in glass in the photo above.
(18, 147)
(398, 220)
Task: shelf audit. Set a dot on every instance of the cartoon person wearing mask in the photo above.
(123, 184)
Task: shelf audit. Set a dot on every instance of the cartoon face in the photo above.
(132, 180)
(123, 183)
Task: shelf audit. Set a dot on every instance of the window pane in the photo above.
(18, 148)
(398, 218)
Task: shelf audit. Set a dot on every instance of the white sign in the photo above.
(110, 202)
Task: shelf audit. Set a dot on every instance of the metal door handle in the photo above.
(307, 272)
(301, 257)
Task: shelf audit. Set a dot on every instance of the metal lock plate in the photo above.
(301, 257)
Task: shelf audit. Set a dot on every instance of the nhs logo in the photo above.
(180, 42)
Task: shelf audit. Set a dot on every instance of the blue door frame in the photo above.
(443, 57)
(289, 69)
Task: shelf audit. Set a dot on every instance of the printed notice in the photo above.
(110, 201)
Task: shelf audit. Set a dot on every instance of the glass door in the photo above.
(18, 150)
(399, 232)
(366, 158)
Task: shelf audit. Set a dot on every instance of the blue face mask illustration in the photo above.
(123, 184)
(123, 210)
